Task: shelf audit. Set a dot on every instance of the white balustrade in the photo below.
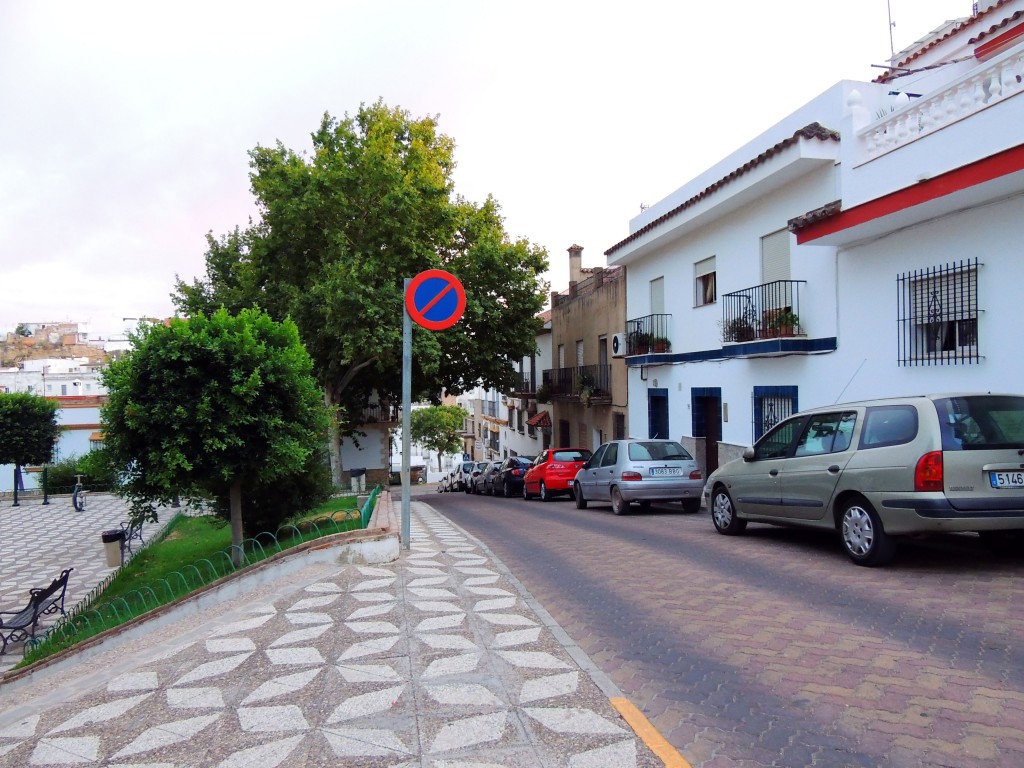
(998, 80)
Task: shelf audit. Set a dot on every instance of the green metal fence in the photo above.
(92, 616)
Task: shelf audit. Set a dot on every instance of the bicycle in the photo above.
(78, 495)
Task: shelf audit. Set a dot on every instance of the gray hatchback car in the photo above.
(623, 471)
(880, 469)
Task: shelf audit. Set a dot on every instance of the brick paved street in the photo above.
(772, 648)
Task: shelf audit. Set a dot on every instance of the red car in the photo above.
(553, 471)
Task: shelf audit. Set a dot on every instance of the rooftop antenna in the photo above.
(892, 49)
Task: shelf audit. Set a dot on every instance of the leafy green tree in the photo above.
(28, 430)
(339, 231)
(22, 330)
(439, 428)
(211, 406)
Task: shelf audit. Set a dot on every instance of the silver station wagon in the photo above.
(623, 471)
(881, 469)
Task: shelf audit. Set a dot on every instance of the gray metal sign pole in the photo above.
(406, 417)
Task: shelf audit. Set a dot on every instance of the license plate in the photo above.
(665, 471)
(1006, 479)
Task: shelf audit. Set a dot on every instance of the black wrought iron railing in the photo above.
(525, 384)
(648, 334)
(938, 314)
(582, 381)
(765, 311)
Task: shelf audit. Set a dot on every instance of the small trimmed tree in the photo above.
(29, 429)
(209, 406)
(439, 427)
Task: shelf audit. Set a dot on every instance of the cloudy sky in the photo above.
(125, 126)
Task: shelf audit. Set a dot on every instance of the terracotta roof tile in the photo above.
(970, 21)
(812, 131)
(542, 420)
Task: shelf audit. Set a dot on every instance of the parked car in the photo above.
(509, 480)
(474, 475)
(877, 470)
(484, 481)
(461, 476)
(553, 471)
(623, 471)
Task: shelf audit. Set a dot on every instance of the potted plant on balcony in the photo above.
(640, 342)
(661, 344)
(784, 323)
(543, 394)
(586, 389)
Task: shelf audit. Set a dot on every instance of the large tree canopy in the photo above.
(340, 229)
(211, 404)
(28, 429)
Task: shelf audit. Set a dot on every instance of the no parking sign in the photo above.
(435, 299)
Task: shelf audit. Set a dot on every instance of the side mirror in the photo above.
(748, 454)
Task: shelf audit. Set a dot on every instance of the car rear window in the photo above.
(886, 425)
(981, 422)
(570, 456)
(657, 451)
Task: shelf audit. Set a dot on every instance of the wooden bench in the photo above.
(22, 624)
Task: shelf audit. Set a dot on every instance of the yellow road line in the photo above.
(649, 734)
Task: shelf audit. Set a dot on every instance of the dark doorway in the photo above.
(707, 423)
(657, 413)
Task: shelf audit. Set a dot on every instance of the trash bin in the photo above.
(112, 542)
(358, 475)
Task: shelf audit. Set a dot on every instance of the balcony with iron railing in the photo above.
(589, 383)
(766, 311)
(525, 384)
(381, 414)
(648, 335)
(490, 408)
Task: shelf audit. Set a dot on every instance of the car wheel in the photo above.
(544, 495)
(864, 539)
(506, 489)
(577, 494)
(691, 506)
(723, 514)
(619, 505)
(526, 493)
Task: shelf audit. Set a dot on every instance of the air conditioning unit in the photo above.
(619, 345)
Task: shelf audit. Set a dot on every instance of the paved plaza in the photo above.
(440, 659)
(38, 541)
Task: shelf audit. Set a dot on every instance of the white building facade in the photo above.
(862, 247)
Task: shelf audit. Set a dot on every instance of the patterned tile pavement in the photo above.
(39, 541)
(438, 660)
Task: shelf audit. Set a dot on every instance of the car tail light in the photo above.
(928, 472)
(632, 476)
(695, 475)
(517, 472)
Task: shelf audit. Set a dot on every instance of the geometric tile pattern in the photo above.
(434, 660)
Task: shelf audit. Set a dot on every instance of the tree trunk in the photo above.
(236, 522)
(334, 445)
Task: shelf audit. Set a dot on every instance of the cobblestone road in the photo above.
(772, 648)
